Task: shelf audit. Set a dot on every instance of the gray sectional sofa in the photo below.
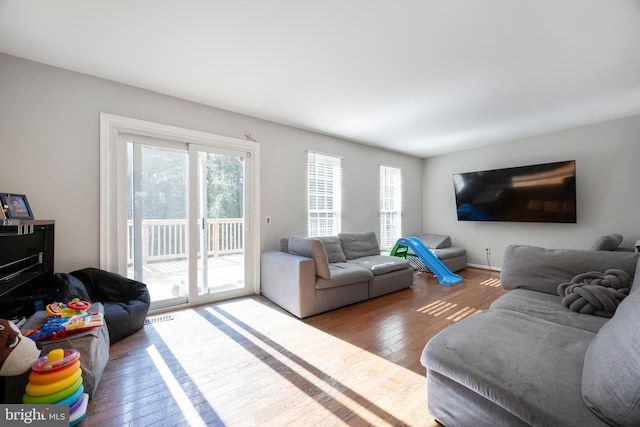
(455, 258)
(313, 275)
(533, 359)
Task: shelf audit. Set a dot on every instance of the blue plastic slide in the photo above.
(442, 273)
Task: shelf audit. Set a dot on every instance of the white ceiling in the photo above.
(423, 77)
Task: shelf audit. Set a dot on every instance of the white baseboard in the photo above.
(485, 267)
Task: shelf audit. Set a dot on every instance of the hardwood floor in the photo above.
(246, 362)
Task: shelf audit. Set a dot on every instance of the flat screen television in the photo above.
(535, 193)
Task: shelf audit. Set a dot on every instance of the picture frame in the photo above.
(16, 206)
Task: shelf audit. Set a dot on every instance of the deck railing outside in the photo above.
(166, 239)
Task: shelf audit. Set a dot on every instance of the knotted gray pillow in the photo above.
(595, 292)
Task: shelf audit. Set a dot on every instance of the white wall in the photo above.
(607, 160)
(49, 150)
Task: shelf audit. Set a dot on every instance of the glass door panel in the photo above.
(157, 233)
(221, 225)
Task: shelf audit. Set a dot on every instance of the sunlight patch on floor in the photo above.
(179, 396)
(462, 313)
(437, 308)
(322, 371)
(492, 282)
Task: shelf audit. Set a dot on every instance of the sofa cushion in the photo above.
(611, 378)
(436, 241)
(607, 243)
(311, 247)
(540, 269)
(344, 273)
(530, 367)
(381, 264)
(333, 247)
(636, 280)
(450, 252)
(356, 245)
(547, 307)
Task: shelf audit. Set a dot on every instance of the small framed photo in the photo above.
(15, 206)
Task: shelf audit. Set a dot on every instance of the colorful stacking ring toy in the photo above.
(57, 378)
(78, 410)
(56, 359)
(54, 397)
(73, 398)
(54, 387)
(48, 377)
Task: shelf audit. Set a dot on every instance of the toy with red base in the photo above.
(74, 307)
(57, 328)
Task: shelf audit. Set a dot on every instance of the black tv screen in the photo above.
(535, 193)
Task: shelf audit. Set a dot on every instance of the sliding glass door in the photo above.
(178, 211)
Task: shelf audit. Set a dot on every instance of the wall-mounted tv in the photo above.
(535, 193)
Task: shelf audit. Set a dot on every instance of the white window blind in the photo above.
(390, 206)
(324, 189)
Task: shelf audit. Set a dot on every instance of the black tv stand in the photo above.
(26, 266)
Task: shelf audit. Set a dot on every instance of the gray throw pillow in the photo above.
(333, 247)
(284, 245)
(311, 248)
(357, 245)
(607, 243)
(610, 375)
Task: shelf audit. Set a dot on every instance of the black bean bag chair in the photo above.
(126, 301)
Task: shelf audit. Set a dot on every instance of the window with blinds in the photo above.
(324, 190)
(390, 206)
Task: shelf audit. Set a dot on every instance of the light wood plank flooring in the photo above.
(246, 362)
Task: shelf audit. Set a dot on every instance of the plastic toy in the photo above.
(73, 398)
(56, 359)
(72, 308)
(57, 379)
(57, 328)
(48, 377)
(17, 353)
(437, 267)
(78, 413)
(53, 397)
(54, 387)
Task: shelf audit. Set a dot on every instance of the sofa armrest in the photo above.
(540, 269)
(288, 280)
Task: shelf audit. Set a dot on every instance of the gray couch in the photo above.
(455, 258)
(531, 361)
(313, 275)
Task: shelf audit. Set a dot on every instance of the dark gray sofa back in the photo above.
(540, 269)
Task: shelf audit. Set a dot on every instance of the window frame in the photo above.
(324, 180)
(391, 204)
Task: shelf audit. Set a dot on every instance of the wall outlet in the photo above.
(487, 251)
(267, 220)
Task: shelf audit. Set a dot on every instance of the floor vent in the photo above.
(157, 319)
